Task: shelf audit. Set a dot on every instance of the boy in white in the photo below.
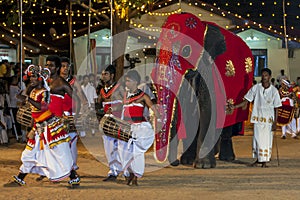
(264, 116)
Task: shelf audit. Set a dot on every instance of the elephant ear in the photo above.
(214, 42)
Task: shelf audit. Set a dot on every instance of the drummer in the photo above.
(287, 95)
(69, 106)
(58, 88)
(296, 90)
(110, 98)
(47, 151)
(132, 152)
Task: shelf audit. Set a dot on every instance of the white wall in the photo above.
(277, 56)
(294, 64)
(80, 51)
(8, 54)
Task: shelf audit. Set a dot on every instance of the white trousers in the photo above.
(290, 128)
(112, 155)
(132, 152)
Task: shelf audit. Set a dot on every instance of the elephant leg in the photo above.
(226, 148)
(207, 138)
(207, 159)
(173, 145)
(189, 155)
(173, 149)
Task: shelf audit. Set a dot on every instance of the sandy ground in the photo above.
(229, 180)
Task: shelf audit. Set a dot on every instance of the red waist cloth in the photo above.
(56, 105)
(69, 104)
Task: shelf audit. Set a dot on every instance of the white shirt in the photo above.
(13, 91)
(90, 93)
(265, 100)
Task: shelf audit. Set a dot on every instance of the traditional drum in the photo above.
(285, 115)
(115, 127)
(24, 116)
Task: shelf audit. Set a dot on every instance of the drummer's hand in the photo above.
(109, 111)
(21, 97)
(31, 134)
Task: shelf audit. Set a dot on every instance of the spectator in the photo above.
(280, 77)
(3, 68)
(89, 91)
(3, 127)
(14, 89)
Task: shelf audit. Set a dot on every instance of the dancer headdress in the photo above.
(41, 73)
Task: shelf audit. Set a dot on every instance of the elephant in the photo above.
(200, 69)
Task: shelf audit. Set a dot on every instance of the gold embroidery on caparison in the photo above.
(248, 65)
(230, 70)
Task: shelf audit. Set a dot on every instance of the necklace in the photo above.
(109, 87)
(106, 92)
(131, 97)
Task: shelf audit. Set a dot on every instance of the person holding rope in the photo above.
(266, 101)
(287, 100)
(47, 151)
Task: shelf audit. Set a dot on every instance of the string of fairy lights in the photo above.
(214, 8)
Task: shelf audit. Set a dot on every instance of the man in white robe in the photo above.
(264, 116)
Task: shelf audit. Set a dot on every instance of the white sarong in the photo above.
(262, 142)
(55, 163)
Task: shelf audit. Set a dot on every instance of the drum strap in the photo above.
(119, 132)
(43, 116)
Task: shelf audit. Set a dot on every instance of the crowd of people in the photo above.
(53, 95)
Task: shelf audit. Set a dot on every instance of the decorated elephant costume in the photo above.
(200, 68)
